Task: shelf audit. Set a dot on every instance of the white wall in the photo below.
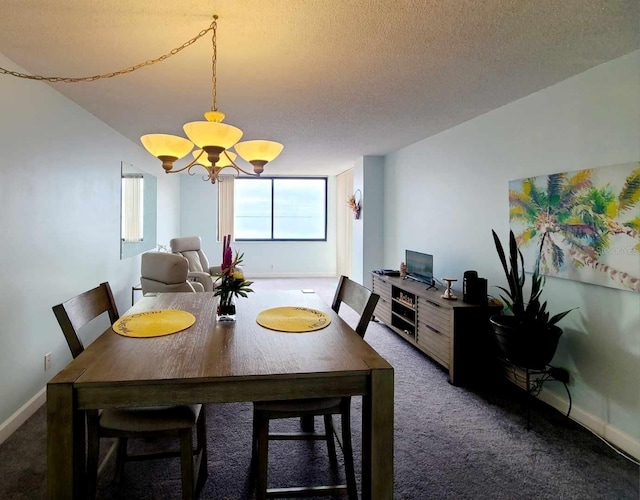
(443, 196)
(198, 216)
(368, 233)
(60, 220)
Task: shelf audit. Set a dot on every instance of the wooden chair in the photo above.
(363, 302)
(175, 421)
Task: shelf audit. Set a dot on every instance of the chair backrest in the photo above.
(164, 272)
(74, 313)
(190, 247)
(358, 298)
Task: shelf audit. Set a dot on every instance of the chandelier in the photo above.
(214, 140)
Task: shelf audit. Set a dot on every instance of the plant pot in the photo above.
(529, 345)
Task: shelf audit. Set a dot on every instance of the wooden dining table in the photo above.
(221, 362)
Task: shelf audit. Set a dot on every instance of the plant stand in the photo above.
(532, 381)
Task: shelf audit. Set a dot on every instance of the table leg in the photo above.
(65, 444)
(377, 437)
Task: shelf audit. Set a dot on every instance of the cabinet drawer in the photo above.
(436, 343)
(434, 315)
(383, 311)
(381, 287)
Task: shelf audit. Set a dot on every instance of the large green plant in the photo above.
(532, 310)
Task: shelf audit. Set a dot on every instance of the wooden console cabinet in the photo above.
(452, 333)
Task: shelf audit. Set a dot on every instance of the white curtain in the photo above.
(132, 208)
(344, 223)
(225, 206)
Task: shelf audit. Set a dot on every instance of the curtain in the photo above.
(344, 223)
(132, 208)
(225, 206)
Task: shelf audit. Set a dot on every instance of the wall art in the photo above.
(582, 225)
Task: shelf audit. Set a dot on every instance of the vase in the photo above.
(226, 308)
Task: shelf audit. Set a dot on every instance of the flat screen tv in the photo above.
(419, 266)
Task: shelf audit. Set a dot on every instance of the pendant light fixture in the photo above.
(213, 138)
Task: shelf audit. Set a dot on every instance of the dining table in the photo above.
(221, 362)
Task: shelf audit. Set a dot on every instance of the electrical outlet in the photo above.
(47, 361)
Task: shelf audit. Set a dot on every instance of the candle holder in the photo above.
(447, 293)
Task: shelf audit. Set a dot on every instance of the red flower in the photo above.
(227, 256)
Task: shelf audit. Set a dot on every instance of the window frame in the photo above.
(293, 177)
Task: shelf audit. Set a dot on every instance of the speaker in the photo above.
(474, 289)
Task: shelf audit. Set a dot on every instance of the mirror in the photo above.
(138, 211)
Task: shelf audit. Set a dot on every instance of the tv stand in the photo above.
(452, 333)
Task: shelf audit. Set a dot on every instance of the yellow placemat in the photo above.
(154, 323)
(293, 319)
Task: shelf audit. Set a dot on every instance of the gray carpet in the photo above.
(450, 443)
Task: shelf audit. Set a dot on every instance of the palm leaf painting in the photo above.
(588, 222)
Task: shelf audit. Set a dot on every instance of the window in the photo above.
(283, 208)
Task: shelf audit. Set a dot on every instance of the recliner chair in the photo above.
(190, 247)
(166, 272)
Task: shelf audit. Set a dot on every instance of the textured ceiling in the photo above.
(332, 79)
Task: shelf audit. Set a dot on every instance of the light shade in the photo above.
(212, 134)
(263, 151)
(222, 162)
(166, 145)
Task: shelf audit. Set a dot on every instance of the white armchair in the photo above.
(190, 247)
(165, 272)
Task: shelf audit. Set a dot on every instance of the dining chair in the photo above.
(122, 424)
(363, 302)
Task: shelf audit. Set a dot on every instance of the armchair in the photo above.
(190, 247)
(165, 272)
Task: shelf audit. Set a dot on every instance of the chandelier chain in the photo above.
(214, 58)
(131, 69)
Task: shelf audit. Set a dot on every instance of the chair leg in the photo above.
(347, 450)
(93, 451)
(201, 444)
(331, 445)
(262, 426)
(121, 457)
(186, 463)
(307, 423)
(254, 445)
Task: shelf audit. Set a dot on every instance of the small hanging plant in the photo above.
(354, 203)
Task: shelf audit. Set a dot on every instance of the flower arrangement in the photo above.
(354, 203)
(231, 281)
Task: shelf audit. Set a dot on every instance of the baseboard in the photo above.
(10, 425)
(613, 435)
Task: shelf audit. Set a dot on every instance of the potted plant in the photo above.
(527, 335)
